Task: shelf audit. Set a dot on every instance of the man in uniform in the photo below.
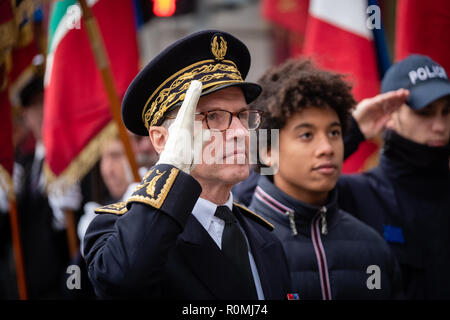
(180, 236)
(406, 197)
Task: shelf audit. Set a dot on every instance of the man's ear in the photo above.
(266, 157)
(158, 136)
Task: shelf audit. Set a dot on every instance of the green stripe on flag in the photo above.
(59, 9)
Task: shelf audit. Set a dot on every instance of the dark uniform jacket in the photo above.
(331, 254)
(153, 247)
(407, 200)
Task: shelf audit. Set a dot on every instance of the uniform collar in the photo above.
(402, 157)
(280, 202)
(204, 210)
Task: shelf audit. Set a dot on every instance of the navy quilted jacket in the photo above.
(331, 254)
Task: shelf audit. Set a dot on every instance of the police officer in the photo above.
(180, 235)
(406, 198)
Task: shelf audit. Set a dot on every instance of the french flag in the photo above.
(293, 296)
(338, 37)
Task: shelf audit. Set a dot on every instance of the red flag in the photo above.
(6, 151)
(7, 27)
(77, 117)
(338, 39)
(14, 50)
(290, 16)
(423, 27)
(23, 70)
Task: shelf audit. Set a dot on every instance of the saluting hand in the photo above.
(183, 145)
(372, 114)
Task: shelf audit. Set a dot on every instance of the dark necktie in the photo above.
(234, 246)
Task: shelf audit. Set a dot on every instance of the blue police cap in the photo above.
(213, 57)
(426, 80)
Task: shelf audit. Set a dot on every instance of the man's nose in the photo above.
(324, 146)
(236, 128)
(439, 123)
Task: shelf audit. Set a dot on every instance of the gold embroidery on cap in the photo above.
(219, 51)
(168, 97)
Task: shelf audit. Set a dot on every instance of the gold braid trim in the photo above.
(148, 197)
(6, 183)
(258, 217)
(8, 34)
(17, 86)
(82, 163)
(24, 10)
(118, 208)
(181, 80)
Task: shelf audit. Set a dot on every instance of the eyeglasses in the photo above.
(220, 120)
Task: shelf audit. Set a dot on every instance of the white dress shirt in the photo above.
(204, 212)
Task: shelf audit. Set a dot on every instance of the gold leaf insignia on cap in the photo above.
(219, 51)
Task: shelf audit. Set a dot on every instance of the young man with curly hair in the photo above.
(331, 254)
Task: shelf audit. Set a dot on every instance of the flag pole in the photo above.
(72, 238)
(14, 222)
(17, 247)
(102, 61)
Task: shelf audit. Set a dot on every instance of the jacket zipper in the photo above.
(320, 252)
(323, 217)
(292, 222)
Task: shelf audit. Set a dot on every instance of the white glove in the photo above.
(85, 220)
(183, 146)
(68, 198)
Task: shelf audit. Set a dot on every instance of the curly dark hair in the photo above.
(298, 84)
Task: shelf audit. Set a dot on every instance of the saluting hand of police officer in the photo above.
(184, 144)
(372, 114)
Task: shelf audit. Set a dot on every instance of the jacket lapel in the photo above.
(207, 262)
(262, 254)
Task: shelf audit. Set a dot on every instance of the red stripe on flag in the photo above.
(291, 14)
(6, 141)
(341, 51)
(357, 162)
(422, 27)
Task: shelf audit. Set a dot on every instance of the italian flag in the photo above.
(77, 117)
